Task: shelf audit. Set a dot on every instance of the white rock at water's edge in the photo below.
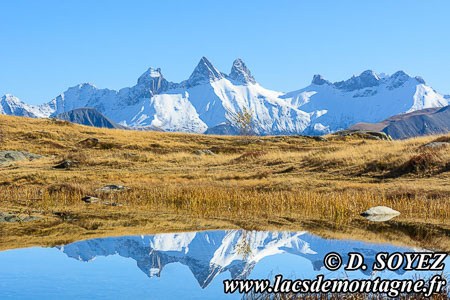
(380, 213)
(380, 210)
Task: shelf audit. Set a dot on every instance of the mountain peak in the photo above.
(399, 78)
(319, 80)
(204, 72)
(369, 75)
(85, 85)
(400, 73)
(9, 98)
(241, 73)
(366, 79)
(150, 73)
(151, 82)
(11, 105)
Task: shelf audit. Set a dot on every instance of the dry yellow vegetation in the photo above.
(283, 182)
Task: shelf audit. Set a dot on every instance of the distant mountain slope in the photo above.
(88, 116)
(92, 117)
(208, 100)
(422, 122)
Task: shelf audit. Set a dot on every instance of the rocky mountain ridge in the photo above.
(208, 100)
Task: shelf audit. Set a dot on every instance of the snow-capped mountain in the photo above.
(10, 105)
(203, 101)
(367, 97)
(208, 100)
(210, 253)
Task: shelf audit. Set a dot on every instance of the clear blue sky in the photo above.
(47, 46)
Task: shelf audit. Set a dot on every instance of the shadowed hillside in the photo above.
(428, 121)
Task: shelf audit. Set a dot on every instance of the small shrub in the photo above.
(425, 163)
(66, 188)
(421, 162)
(244, 121)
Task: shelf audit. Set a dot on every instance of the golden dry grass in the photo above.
(256, 182)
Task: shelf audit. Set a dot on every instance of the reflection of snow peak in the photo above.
(209, 253)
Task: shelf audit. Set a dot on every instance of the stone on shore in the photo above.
(380, 213)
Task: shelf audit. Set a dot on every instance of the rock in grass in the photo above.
(90, 199)
(205, 152)
(112, 188)
(112, 204)
(12, 218)
(316, 138)
(7, 157)
(437, 144)
(365, 134)
(89, 142)
(66, 164)
(380, 213)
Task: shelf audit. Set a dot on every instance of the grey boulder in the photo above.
(112, 188)
(7, 157)
(12, 218)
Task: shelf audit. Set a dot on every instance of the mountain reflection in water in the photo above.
(189, 265)
(210, 253)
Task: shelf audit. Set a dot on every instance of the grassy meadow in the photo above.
(280, 183)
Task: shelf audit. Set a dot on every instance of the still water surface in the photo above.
(188, 265)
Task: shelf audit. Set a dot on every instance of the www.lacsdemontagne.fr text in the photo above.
(391, 287)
